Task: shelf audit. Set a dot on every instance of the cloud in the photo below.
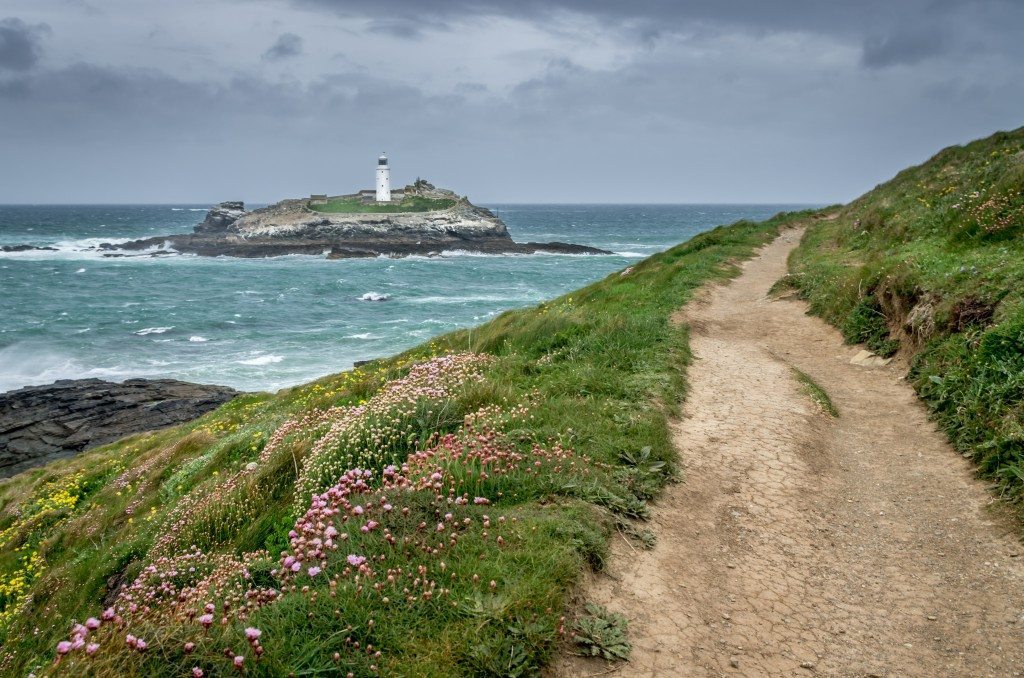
(407, 28)
(20, 47)
(287, 45)
(903, 48)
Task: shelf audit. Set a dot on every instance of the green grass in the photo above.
(601, 371)
(931, 263)
(356, 206)
(816, 393)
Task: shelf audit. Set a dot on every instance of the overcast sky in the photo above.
(520, 100)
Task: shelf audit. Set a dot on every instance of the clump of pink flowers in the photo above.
(385, 534)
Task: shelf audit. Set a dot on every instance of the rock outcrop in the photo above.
(41, 423)
(222, 217)
(293, 227)
(26, 248)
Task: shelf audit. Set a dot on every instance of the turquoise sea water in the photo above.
(261, 324)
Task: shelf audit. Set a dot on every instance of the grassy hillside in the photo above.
(931, 263)
(414, 203)
(426, 514)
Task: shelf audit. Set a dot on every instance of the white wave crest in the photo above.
(152, 330)
(375, 296)
(197, 339)
(261, 360)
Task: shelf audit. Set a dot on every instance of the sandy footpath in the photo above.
(799, 544)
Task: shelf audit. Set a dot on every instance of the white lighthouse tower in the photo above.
(383, 179)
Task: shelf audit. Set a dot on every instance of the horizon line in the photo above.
(484, 202)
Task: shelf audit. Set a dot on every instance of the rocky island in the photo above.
(418, 220)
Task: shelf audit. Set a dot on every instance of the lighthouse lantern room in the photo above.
(383, 179)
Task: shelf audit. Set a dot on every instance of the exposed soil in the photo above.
(801, 544)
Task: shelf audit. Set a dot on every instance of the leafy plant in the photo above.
(601, 633)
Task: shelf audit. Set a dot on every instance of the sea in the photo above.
(265, 324)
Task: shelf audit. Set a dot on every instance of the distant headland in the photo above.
(418, 219)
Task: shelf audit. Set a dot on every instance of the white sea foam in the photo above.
(261, 360)
(363, 335)
(85, 249)
(26, 365)
(631, 255)
(197, 339)
(375, 296)
(81, 270)
(153, 330)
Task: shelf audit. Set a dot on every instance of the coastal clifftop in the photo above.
(425, 221)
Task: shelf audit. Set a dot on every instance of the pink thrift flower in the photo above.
(63, 647)
(313, 571)
(358, 510)
(79, 630)
(238, 660)
(356, 561)
(92, 623)
(189, 647)
(288, 561)
(130, 640)
(140, 645)
(296, 566)
(108, 614)
(197, 672)
(252, 633)
(331, 532)
(206, 620)
(91, 648)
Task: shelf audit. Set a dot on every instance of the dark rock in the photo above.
(41, 423)
(222, 217)
(26, 248)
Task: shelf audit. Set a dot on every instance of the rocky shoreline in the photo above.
(39, 424)
(293, 227)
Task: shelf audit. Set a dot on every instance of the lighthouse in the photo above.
(383, 179)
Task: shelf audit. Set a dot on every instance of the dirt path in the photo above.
(799, 544)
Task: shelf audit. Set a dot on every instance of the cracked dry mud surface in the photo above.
(798, 544)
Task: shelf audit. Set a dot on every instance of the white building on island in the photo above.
(383, 179)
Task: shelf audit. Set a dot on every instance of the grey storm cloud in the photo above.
(888, 32)
(20, 46)
(287, 45)
(907, 47)
(561, 100)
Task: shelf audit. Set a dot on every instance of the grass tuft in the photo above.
(815, 393)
